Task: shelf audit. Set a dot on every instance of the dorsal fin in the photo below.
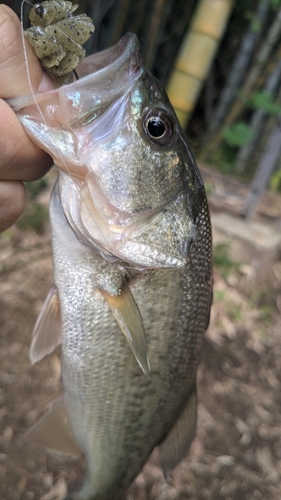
(47, 330)
(127, 313)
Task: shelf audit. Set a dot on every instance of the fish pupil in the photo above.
(156, 127)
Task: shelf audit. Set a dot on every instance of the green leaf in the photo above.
(238, 134)
(264, 101)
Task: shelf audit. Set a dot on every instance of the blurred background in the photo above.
(220, 63)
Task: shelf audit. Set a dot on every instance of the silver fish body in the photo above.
(132, 251)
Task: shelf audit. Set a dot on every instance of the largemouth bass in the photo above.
(132, 271)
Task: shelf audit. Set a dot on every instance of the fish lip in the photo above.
(122, 56)
(107, 63)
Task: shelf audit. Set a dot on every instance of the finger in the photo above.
(12, 196)
(20, 159)
(13, 67)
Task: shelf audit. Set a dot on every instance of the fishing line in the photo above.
(55, 142)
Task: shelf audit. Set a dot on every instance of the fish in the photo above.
(132, 255)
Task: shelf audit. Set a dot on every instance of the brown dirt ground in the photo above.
(236, 454)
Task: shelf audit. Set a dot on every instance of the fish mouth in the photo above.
(105, 72)
(54, 119)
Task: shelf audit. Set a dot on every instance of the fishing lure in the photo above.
(57, 38)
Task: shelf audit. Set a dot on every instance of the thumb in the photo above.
(13, 68)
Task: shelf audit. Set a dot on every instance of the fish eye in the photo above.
(39, 10)
(158, 127)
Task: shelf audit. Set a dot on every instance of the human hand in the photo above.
(20, 159)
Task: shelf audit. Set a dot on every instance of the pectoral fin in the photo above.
(53, 432)
(47, 330)
(127, 313)
(179, 438)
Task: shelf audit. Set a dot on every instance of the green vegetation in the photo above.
(264, 101)
(34, 188)
(238, 134)
(35, 215)
(222, 261)
(224, 158)
(219, 295)
(275, 3)
(275, 181)
(234, 312)
(267, 312)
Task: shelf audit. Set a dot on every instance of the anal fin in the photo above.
(177, 441)
(128, 316)
(54, 433)
(47, 330)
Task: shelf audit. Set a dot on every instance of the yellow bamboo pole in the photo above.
(196, 55)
